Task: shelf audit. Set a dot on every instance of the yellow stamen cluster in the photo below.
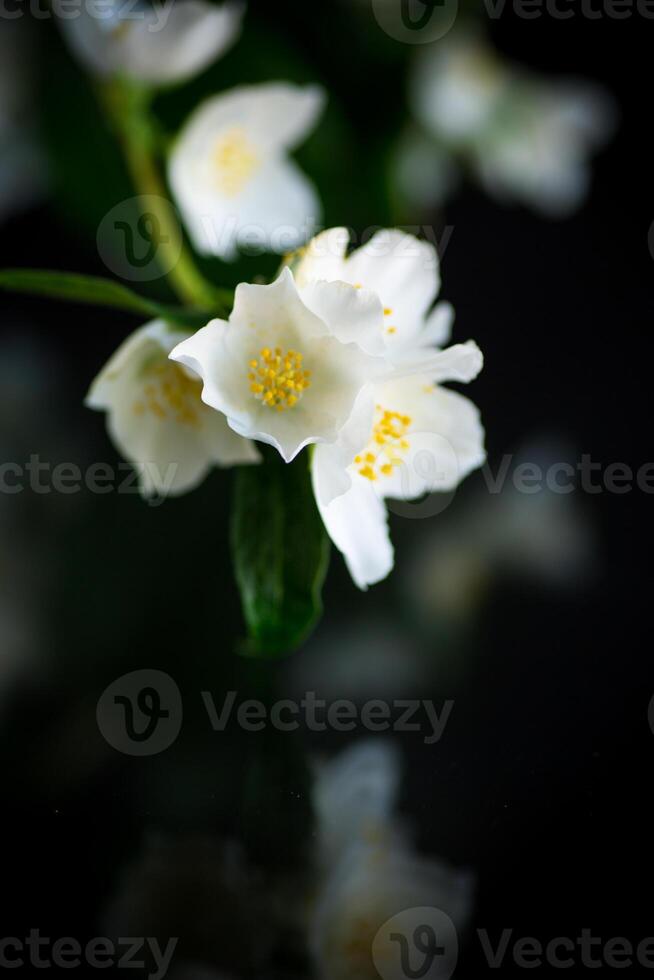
(235, 161)
(386, 446)
(170, 392)
(278, 379)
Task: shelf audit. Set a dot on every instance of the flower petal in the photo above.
(193, 35)
(357, 523)
(353, 315)
(461, 362)
(159, 46)
(324, 257)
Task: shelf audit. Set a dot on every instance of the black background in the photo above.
(542, 785)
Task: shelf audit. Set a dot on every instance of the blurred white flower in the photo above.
(288, 371)
(159, 45)
(231, 175)
(22, 167)
(156, 418)
(422, 437)
(371, 871)
(354, 797)
(525, 138)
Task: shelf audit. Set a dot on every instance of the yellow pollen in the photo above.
(235, 161)
(387, 444)
(278, 379)
(388, 311)
(391, 330)
(170, 393)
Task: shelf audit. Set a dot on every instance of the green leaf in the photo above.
(97, 292)
(280, 551)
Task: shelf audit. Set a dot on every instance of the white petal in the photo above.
(353, 315)
(332, 477)
(357, 523)
(324, 257)
(192, 36)
(278, 114)
(462, 362)
(403, 271)
(161, 46)
(438, 326)
(276, 212)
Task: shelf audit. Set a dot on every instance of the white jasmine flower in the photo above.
(526, 138)
(285, 372)
(458, 88)
(422, 437)
(370, 872)
(156, 418)
(542, 156)
(161, 44)
(231, 175)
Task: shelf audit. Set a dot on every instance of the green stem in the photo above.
(185, 278)
(129, 111)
